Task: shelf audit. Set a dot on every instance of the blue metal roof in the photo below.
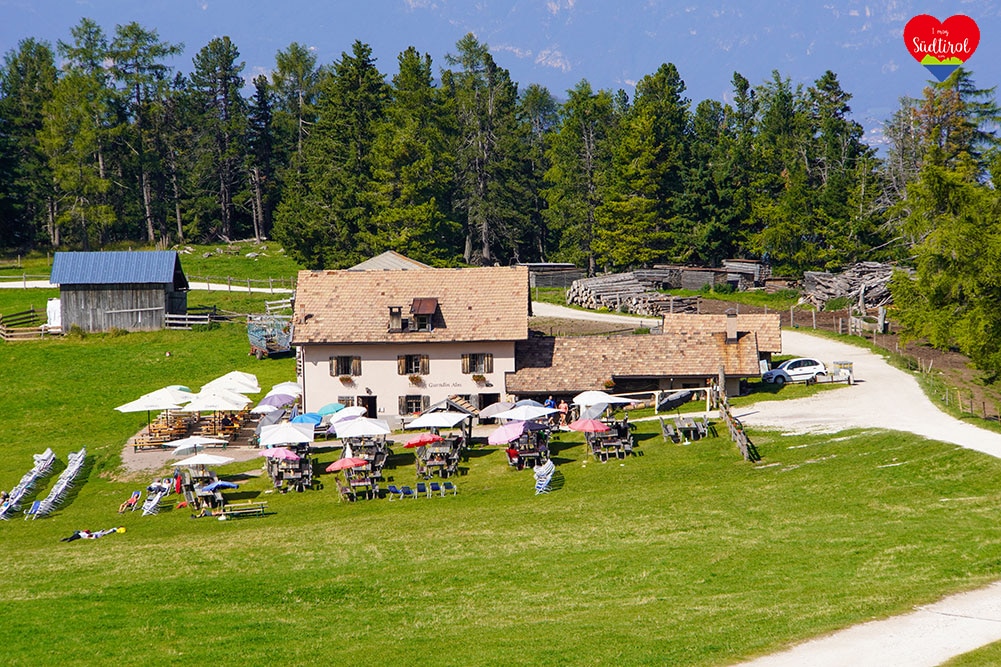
(115, 267)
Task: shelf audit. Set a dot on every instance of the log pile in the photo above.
(865, 284)
(628, 293)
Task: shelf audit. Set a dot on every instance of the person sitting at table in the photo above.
(514, 457)
(227, 421)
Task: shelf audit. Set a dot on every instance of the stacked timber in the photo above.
(626, 292)
(865, 284)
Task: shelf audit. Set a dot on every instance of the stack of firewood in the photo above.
(865, 284)
(626, 292)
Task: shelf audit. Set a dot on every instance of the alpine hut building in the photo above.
(130, 290)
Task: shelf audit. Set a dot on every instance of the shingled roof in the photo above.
(767, 326)
(474, 304)
(575, 364)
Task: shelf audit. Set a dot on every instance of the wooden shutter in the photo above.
(425, 364)
(333, 367)
(465, 363)
(403, 405)
(401, 364)
(425, 403)
(488, 363)
(355, 365)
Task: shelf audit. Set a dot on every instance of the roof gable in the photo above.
(118, 267)
(473, 304)
(389, 260)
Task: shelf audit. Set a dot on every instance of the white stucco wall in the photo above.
(379, 376)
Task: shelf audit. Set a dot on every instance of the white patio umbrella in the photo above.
(205, 460)
(593, 397)
(213, 400)
(286, 433)
(263, 409)
(347, 414)
(148, 403)
(443, 419)
(174, 393)
(492, 409)
(244, 383)
(525, 413)
(362, 428)
(193, 444)
(286, 388)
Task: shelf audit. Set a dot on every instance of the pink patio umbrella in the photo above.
(423, 439)
(345, 463)
(507, 433)
(280, 454)
(589, 426)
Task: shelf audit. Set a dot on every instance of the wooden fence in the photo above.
(734, 427)
(25, 325)
(229, 283)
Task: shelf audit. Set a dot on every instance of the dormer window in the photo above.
(423, 310)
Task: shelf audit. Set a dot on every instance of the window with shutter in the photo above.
(401, 364)
(425, 365)
(425, 403)
(488, 363)
(466, 358)
(355, 365)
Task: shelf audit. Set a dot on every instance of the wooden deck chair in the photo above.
(668, 431)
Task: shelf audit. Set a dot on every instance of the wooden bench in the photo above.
(245, 509)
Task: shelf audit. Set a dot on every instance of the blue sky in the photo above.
(556, 43)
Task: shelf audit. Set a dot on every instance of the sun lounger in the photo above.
(422, 490)
(391, 491)
(131, 503)
(434, 488)
(407, 492)
(543, 476)
(448, 486)
(32, 512)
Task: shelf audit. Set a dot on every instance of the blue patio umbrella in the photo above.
(218, 485)
(330, 408)
(307, 418)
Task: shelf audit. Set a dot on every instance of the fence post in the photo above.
(792, 320)
(271, 284)
(229, 283)
(814, 313)
(248, 285)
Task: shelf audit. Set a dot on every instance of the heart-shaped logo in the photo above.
(941, 46)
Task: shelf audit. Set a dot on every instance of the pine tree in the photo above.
(579, 156)
(413, 170)
(221, 135)
(27, 81)
(325, 206)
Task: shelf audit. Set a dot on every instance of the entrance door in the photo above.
(369, 403)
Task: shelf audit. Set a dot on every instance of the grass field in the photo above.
(685, 555)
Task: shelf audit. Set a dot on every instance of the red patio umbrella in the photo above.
(589, 426)
(425, 438)
(350, 462)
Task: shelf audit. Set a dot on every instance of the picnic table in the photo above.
(692, 429)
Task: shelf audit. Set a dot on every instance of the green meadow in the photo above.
(682, 555)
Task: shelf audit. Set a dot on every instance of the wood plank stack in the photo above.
(630, 293)
(865, 284)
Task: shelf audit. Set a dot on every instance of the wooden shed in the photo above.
(99, 291)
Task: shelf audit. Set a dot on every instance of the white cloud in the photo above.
(889, 67)
(554, 7)
(518, 53)
(553, 58)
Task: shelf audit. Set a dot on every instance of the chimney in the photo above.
(731, 327)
